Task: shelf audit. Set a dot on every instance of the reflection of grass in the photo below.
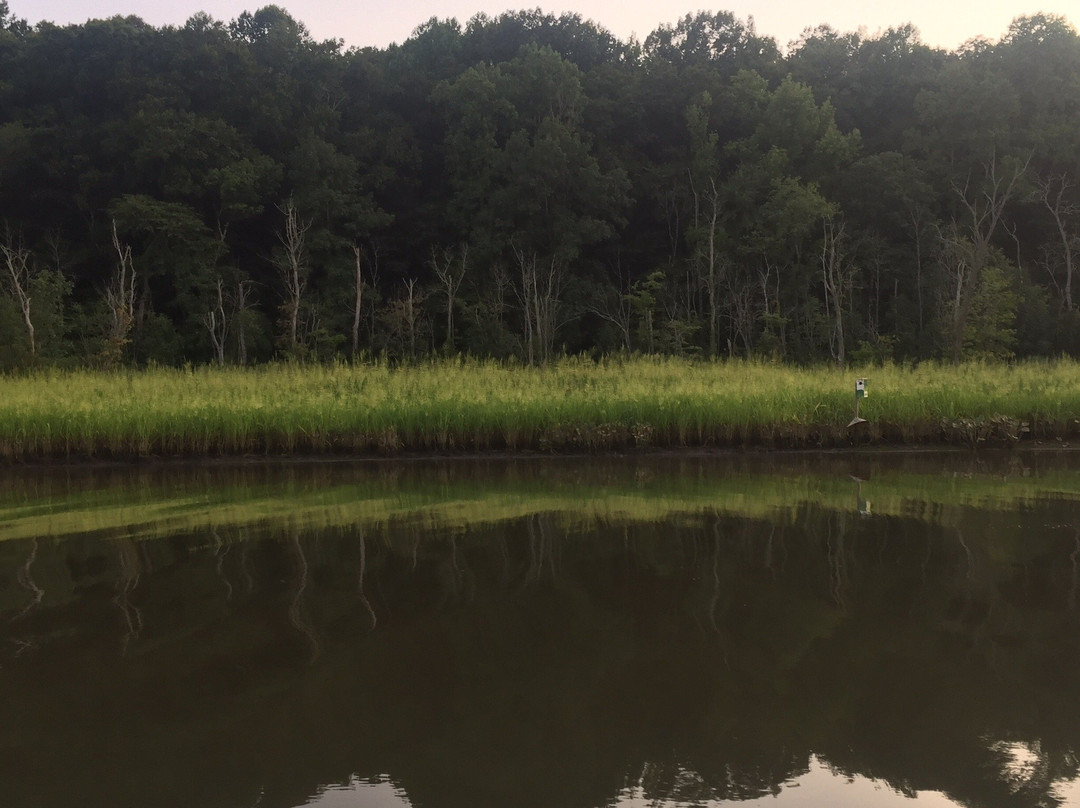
(331, 496)
(579, 404)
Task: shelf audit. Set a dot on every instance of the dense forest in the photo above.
(528, 185)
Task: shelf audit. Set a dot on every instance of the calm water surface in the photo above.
(802, 631)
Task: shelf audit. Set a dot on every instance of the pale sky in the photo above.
(944, 23)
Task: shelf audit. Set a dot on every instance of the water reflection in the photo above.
(820, 785)
(378, 793)
(806, 655)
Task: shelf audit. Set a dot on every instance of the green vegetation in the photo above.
(569, 405)
(446, 496)
(528, 186)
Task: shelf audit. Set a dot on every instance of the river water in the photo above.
(803, 630)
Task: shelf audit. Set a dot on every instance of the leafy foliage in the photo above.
(675, 190)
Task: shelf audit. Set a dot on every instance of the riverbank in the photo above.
(573, 405)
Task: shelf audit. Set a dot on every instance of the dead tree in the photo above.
(411, 312)
(241, 306)
(836, 274)
(967, 247)
(120, 299)
(217, 323)
(709, 255)
(616, 306)
(526, 294)
(1052, 193)
(450, 269)
(361, 285)
(775, 323)
(916, 215)
(293, 268)
(743, 313)
(216, 319)
(540, 295)
(19, 274)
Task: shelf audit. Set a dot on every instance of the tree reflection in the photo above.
(25, 579)
(360, 580)
(130, 571)
(705, 658)
(296, 606)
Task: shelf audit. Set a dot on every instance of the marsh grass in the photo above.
(571, 405)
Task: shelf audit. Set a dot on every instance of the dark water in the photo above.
(897, 634)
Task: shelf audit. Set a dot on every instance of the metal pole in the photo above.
(857, 420)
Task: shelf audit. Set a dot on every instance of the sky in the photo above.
(360, 23)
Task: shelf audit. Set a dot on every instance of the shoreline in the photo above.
(755, 453)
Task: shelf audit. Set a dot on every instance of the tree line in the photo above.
(529, 185)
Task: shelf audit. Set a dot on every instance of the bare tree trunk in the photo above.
(243, 288)
(293, 268)
(671, 201)
(763, 280)
(372, 285)
(916, 223)
(1061, 210)
(836, 272)
(743, 315)
(120, 298)
(501, 285)
(527, 294)
(358, 306)
(675, 324)
(217, 324)
(19, 274)
(411, 312)
(142, 307)
(540, 296)
(450, 269)
(967, 248)
(547, 308)
(713, 275)
(617, 310)
(961, 269)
